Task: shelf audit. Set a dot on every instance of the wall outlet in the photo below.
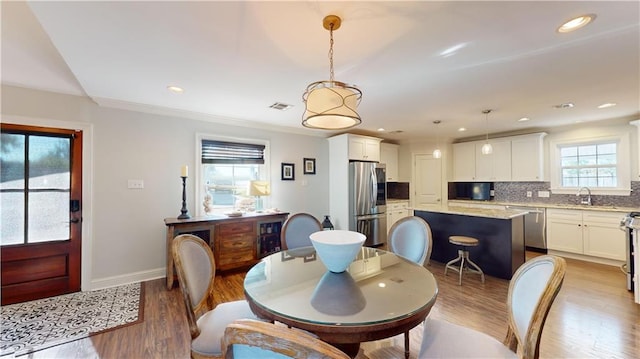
(529, 194)
(543, 194)
(135, 184)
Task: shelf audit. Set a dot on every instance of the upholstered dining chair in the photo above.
(296, 230)
(251, 339)
(410, 237)
(196, 269)
(532, 290)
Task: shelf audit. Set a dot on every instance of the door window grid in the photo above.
(589, 165)
(34, 187)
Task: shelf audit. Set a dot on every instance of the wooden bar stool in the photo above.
(463, 242)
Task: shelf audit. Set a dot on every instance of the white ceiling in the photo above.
(235, 59)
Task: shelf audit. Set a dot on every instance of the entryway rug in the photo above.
(39, 324)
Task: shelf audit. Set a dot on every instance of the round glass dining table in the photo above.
(380, 295)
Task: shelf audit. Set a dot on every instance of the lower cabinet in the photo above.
(397, 211)
(236, 242)
(586, 232)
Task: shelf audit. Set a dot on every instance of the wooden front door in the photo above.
(41, 204)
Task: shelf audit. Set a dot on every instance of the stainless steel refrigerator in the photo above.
(367, 201)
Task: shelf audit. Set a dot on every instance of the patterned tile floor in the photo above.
(31, 326)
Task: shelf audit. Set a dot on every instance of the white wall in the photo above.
(127, 237)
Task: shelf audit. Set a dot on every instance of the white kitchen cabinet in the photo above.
(363, 148)
(495, 166)
(397, 211)
(586, 232)
(637, 173)
(527, 157)
(340, 152)
(514, 158)
(389, 156)
(464, 161)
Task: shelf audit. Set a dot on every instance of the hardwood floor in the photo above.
(593, 317)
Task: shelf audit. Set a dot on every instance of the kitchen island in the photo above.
(500, 232)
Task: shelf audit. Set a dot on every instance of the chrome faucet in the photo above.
(583, 200)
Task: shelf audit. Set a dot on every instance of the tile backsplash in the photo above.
(517, 192)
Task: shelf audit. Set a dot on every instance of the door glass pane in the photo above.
(12, 161)
(12, 211)
(49, 162)
(12, 186)
(48, 216)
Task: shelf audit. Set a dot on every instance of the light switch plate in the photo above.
(135, 184)
(529, 194)
(543, 194)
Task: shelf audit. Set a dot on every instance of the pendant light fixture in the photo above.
(437, 153)
(331, 105)
(487, 149)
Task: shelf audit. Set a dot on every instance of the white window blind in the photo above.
(220, 152)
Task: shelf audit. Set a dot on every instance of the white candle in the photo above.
(185, 171)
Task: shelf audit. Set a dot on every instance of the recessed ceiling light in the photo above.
(565, 105)
(280, 106)
(381, 129)
(175, 89)
(607, 105)
(576, 23)
(462, 129)
(524, 119)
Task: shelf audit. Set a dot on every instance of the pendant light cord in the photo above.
(331, 54)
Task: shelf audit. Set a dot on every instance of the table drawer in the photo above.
(236, 256)
(237, 242)
(226, 229)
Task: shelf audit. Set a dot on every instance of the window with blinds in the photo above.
(219, 152)
(227, 167)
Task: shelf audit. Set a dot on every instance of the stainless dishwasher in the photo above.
(535, 237)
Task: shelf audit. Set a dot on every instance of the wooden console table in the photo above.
(236, 241)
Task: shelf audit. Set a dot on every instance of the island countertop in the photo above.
(477, 212)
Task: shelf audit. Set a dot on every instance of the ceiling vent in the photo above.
(280, 106)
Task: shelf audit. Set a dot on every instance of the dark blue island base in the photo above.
(501, 248)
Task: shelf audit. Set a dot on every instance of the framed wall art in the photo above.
(309, 166)
(288, 171)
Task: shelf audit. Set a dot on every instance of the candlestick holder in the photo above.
(184, 212)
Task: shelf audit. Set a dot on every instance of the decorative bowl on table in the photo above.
(337, 249)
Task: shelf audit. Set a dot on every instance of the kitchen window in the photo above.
(600, 164)
(589, 165)
(227, 165)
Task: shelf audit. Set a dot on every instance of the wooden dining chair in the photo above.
(296, 230)
(251, 339)
(532, 290)
(196, 269)
(410, 237)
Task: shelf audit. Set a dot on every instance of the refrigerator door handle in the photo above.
(374, 186)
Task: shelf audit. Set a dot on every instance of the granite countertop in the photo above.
(551, 205)
(396, 200)
(477, 212)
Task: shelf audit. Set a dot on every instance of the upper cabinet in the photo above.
(636, 176)
(389, 156)
(527, 157)
(363, 148)
(515, 158)
(495, 166)
(464, 161)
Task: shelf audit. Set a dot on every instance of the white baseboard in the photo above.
(611, 262)
(127, 278)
